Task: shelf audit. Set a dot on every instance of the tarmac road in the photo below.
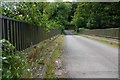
(85, 58)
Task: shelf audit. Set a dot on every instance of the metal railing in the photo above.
(22, 35)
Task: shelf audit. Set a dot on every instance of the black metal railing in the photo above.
(23, 35)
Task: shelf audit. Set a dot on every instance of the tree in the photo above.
(48, 15)
(97, 15)
(81, 15)
(56, 14)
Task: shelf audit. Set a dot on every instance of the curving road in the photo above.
(85, 58)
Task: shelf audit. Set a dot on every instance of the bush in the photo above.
(81, 30)
(14, 63)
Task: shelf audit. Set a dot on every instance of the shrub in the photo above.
(14, 63)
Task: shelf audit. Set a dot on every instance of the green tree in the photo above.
(56, 14)
(97, 15)
(48, 15)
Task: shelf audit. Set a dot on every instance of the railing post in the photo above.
(19, 36)
(16, 31)
(4, 29)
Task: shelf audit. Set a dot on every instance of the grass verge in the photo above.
(25, 64)
(50, 73)
(38, 54)
(103, 41)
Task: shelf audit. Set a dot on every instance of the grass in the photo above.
(36, 57)
(50, 74)
(34, 51)
(103, 41)
(51, 65)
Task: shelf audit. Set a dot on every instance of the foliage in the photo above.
(56, 14)
(48, 15)
(73, 10)
(51, 65)
(65, 15)
(23, 11)
(97, 15)
(14, 63)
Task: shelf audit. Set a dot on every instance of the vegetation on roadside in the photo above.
(14, 63)
(103, 41)
(41, 52)
(25, 64)
(51, 66)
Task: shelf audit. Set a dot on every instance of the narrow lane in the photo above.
(85, 58)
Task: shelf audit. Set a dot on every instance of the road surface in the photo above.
(85, 58)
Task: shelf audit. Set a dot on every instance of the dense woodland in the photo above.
(65, 15)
